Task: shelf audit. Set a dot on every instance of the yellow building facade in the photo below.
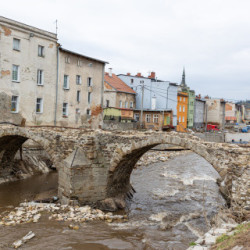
(182, 111)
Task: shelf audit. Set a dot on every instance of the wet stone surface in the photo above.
(169, 210)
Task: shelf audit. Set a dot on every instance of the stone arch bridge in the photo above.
(95, 165)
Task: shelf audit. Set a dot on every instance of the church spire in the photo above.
(183, 81)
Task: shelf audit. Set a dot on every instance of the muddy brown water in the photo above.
(180, 191)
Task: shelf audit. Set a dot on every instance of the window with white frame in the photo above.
(66, 82)
(40, 50)
(148, 118)
(126, 105)
(180, 108)
(155, 118)
(39, 105)
(88, 112)
(39, 77)
(16, 44)
(67, 59)
(78, 95)
(180, 98)
(120, 104)
(179, 118)
(131, 105)
(183, 108)
(14, 104)
(15, 73)
(89, 81)
(184, 99)
(79, 63)
(137, 117)
(65, 111)
(78, 79)
(89, 97)
(183, 119)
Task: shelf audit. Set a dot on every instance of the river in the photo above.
(172, 206)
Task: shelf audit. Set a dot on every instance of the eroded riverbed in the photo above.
(168, 211)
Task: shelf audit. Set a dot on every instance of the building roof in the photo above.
(118, 84)
(77, 54)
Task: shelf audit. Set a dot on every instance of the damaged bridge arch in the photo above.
(95, 165)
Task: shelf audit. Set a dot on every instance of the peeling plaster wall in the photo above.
(29, 62)
(87, 68)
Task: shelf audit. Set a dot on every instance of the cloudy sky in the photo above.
(210, 38)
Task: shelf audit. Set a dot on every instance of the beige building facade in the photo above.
(80, 89)
(44, 83)
(27, 73)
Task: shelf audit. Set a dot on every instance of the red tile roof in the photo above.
(118, 84)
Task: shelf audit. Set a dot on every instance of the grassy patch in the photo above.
(192, 244)
(241, 233)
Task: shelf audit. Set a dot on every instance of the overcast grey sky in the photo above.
(210, 38)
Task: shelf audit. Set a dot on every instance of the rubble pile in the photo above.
(31, 212)
(158, 156)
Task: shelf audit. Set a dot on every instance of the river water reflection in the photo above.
(167, 211)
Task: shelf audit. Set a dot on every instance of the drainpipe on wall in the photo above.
(57, 80)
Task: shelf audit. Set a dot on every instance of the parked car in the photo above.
(211, 127)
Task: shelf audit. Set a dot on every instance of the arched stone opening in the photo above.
(14, 164)
(124, 161)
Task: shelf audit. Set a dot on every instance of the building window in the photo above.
(183, 109)
(39, 105)
(131, 105)
(79, 63)
(179, 119)
(78, 111)
(65, 109)
(66, 82)
(183, 119)
(137, 117)
(120, 105)
(107, 103)
(40, 51)
(180, 98)
(88, 112)
(89, 97)
(89, 81)
(15, 73)
(126, 105)
(67, 59)
(78, 79)
(78, 95)
(16, 44)
(180, 108)
(184, 99)
(39, 77)
(14, 104)
(131, 80)
(155, 118)
(148, 118)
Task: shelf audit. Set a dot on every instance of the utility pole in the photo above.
(206, 117)
(142, 95)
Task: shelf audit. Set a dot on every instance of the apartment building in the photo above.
(80, 89)
(27, 73)
(44, 83)
(158, 95)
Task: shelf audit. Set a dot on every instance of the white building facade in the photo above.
(44, 84)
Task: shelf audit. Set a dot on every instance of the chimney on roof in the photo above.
(110, 72)
(138, 74)
(152, 75)
(128, 74)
